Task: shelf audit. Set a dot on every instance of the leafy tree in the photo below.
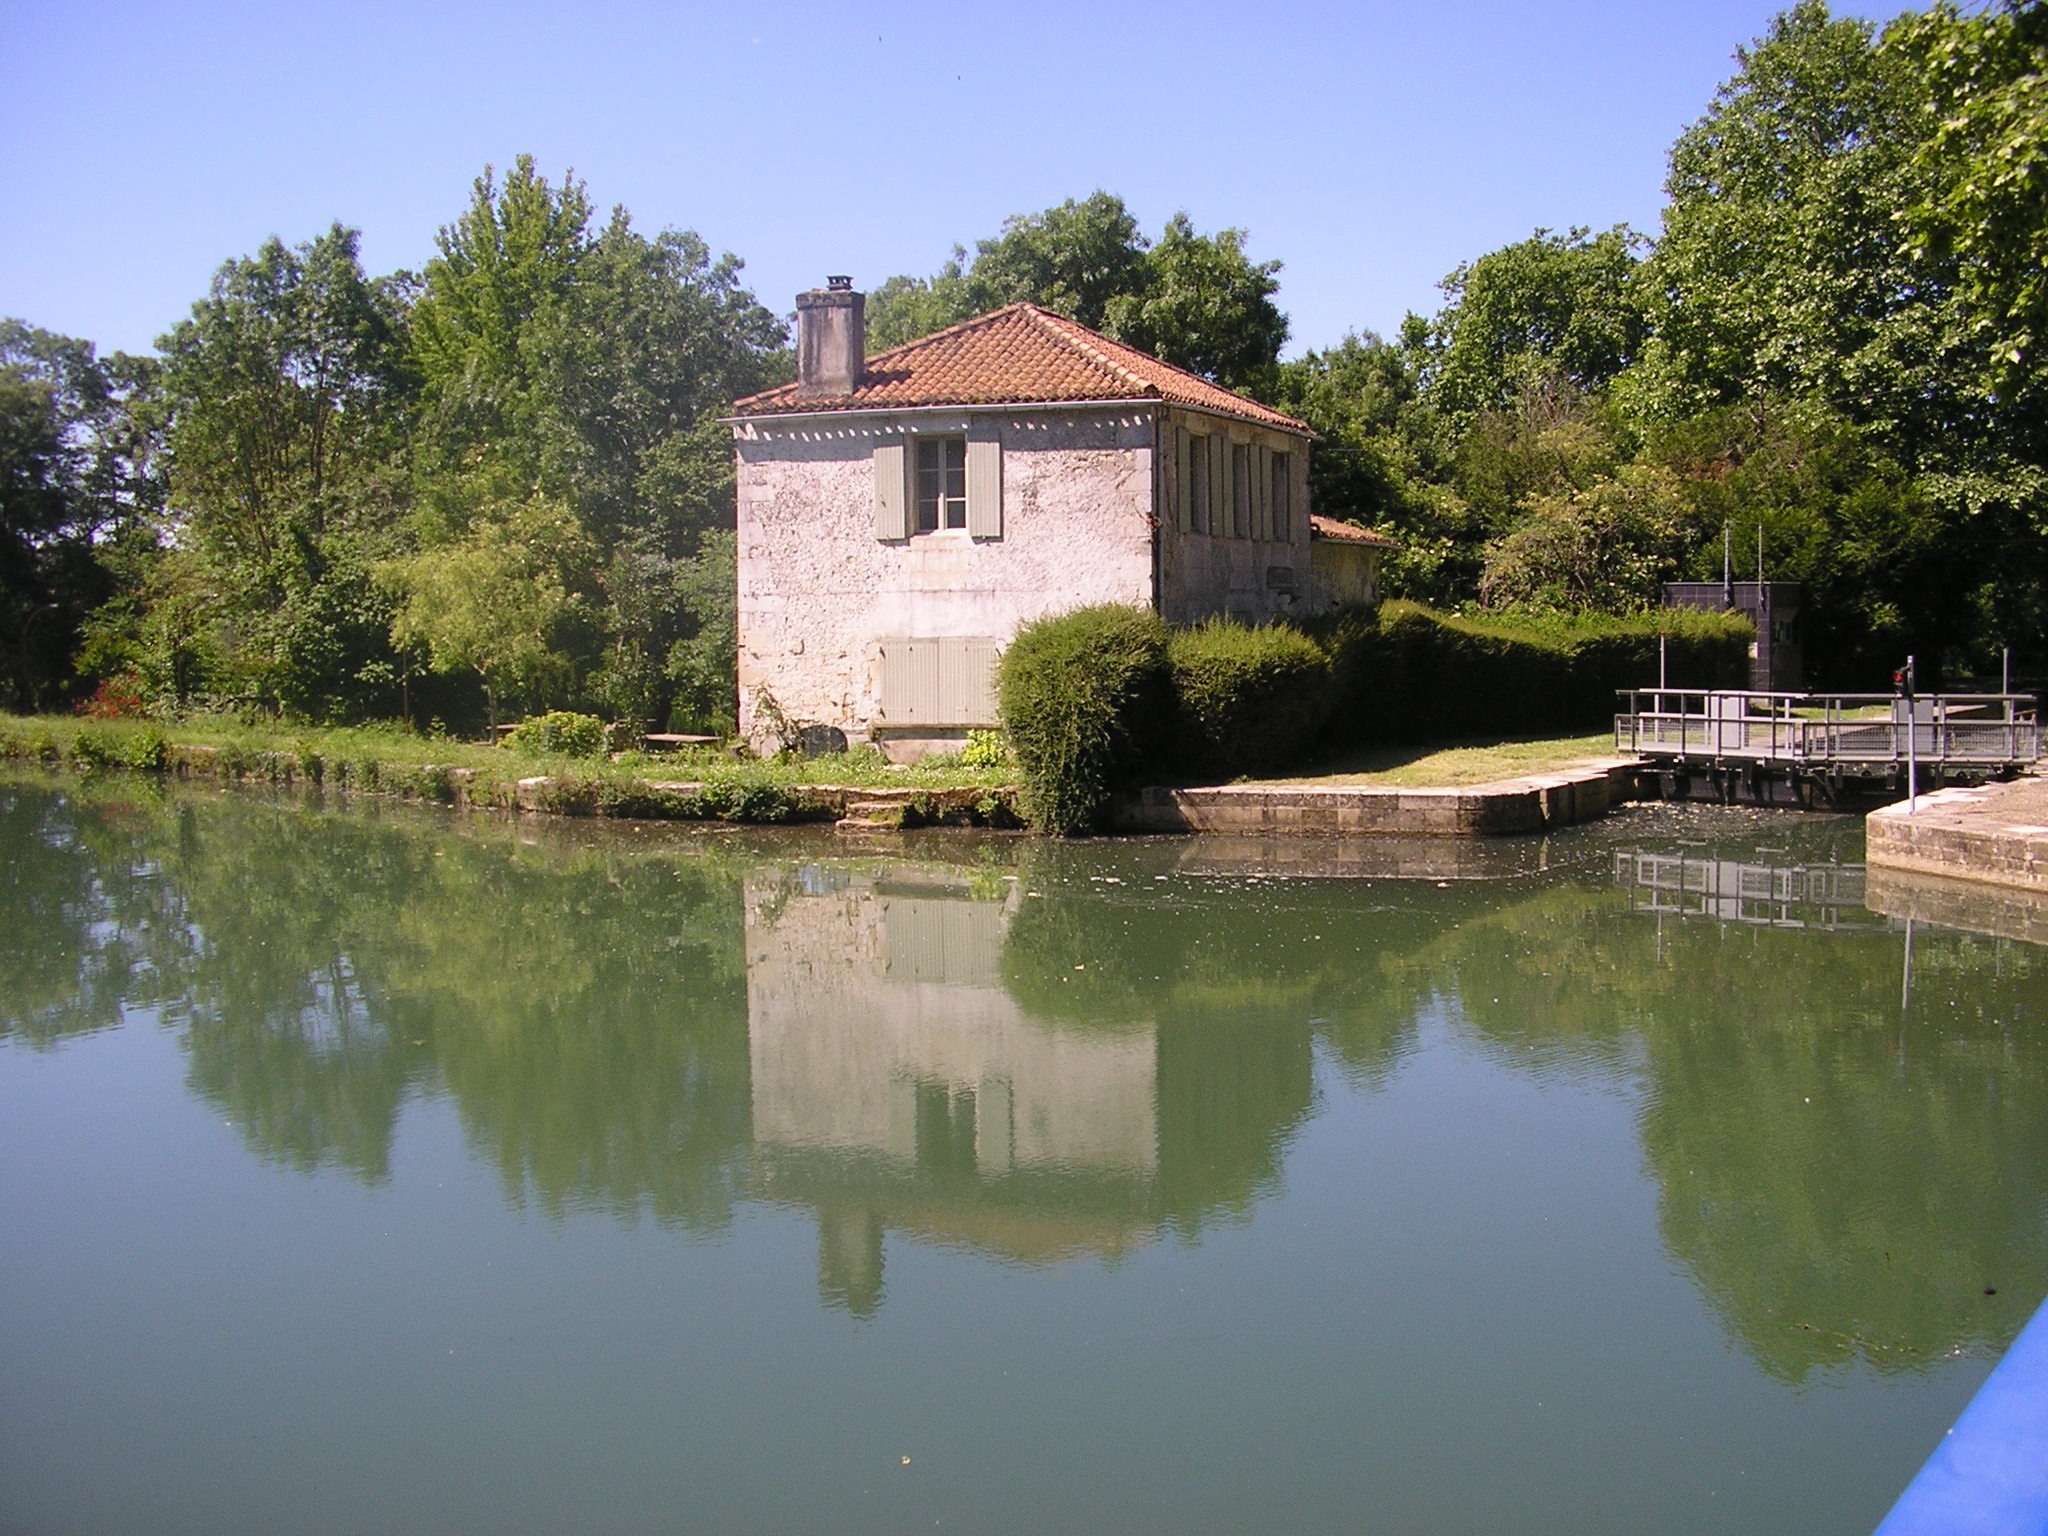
(1550, 308)
(1984, 168)
(1197, 301)
(1383, 458)
(503, 275)
(287, 396)
(1204, 306)
(1076, 259)
(78, 489)
(1779, 271)
(1603, 548)
(903, 308)
(495, 601)
(590, 369)
(1811, 274)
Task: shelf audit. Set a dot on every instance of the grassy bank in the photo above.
(1458, 765)
(696, 785)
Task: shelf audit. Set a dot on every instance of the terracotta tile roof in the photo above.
(1021, 355)
(1320, 527)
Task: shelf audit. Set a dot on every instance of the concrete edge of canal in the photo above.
(1994, 834)
(1535, 803)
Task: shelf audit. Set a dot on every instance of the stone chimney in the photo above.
(831, 340)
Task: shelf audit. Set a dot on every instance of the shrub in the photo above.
(111, 747)
(1083, 698)
(987, 749)
(1247, 700)
(559, 733)
(1414, 674)
(117, 698)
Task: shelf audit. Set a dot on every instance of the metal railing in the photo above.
(1855, 731)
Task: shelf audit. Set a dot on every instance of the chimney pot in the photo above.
(831, 340)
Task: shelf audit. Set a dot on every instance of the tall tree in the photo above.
(1197, 301)
(589, 367)
(1552, 307)
(287, 396)
(1848, 249)
(78, 489)
(1205, 306)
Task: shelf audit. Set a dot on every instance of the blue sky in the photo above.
(1369, 147)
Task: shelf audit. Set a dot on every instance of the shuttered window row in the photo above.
(1230, 490)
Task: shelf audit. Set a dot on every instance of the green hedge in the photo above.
(1412, 674)
(1246, 700)
(1084, 698)
(1097, 700)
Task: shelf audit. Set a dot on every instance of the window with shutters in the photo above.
(1195, 485)
(1281, 505)
(940, 493)
(1241, 490)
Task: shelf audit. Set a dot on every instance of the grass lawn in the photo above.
(1455, 765)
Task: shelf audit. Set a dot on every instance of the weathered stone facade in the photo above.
(1082, 492)
(1206, 569)
(902, 517)
(819, 592)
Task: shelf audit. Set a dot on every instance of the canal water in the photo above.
(366, 1168)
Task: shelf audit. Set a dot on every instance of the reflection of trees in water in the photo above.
(82, 913)
(584, 1004)
(1842, 1185)
(584, 1001)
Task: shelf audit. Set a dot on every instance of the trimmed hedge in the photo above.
(1098, 699)
(1084, 696)
(1246, 700)
(1412, 674)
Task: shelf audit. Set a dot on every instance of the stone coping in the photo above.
(1995, 834)
(1534, 803)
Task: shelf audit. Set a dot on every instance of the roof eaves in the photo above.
(941, 409)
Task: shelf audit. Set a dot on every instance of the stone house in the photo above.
(902, 516)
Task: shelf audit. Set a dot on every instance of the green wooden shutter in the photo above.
(985, 482)
(1260, 484)
(1183, 484)
(1283, 497)
(892, 516)
(1219, 484)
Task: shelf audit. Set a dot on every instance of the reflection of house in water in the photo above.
(897, 1084)
(1698, 883)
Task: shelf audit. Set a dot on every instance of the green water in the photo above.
(369, 1169)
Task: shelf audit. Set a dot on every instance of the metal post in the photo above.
(1912, 766)
(1660, 666)
(1906, 984)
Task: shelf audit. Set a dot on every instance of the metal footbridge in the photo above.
(1802, 747)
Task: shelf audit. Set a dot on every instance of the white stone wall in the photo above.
(1202, 574)
(818, 592)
